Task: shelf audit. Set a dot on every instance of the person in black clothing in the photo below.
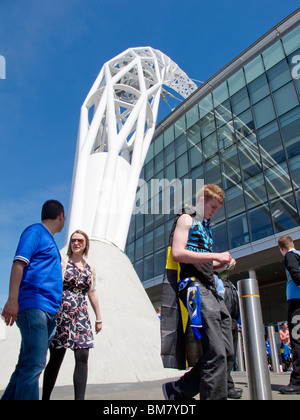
(292, 266)
(229, 294)
(192, 248)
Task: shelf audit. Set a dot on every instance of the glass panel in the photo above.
(295, 171)
(149, 153)
(131, 233)
(180, 145)
(205, 105)
(279, 75)
(158, 144)
(297, 76)
(195, 156)
(273, 55)
(297, 194)
(285, 99)
(260, 222)
(197, 173)
(240, 102)
(220, 94)
(255, 191)
(169, 225)
(149, 170)
(263, 112)
(180, 126)
(270, 143)
(130, 251)
(291, 41)
(148, 243)
(236, 82)
(223, 114)
(160, 217)
(210, 146)
(193, 135)
(182, 165)
(244, 123)
(220, 238)
(159, 262)
(192, 116)
(226, 136)
(284, 213)
(249, 158)
(234, 200)
(159, 162)
(290, 130)
(160, 175)
(139, 252)
(212, 172)
(159, 237)
(139, 224)
(277, 181)
(230, 167)
(294, 62)
(142, 174)
(149, 221)
(169, 153)
(169, 135)
(148, 267)
(254, 69)
(207, 124)
(238, 231)
(170, 172)
(258, 89)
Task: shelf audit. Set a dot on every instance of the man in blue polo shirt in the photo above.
(35, 294)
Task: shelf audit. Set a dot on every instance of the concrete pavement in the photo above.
(152, 390)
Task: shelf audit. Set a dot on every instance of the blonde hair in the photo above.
(87, 243)
(286, 242)
(210, 191)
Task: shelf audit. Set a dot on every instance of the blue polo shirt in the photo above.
(41, 285)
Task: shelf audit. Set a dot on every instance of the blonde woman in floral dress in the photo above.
(74, 329)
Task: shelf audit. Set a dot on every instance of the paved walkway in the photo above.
(152, 391)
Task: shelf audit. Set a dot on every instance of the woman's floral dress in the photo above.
(74, 329)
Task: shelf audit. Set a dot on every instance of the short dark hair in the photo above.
(51, 209)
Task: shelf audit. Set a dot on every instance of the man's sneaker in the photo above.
(290, 389)
(172, 391)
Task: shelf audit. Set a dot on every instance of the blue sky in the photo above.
(55, 49)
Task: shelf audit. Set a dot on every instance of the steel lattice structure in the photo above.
(117, 124)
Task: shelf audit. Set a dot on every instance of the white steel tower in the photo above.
(116, 127)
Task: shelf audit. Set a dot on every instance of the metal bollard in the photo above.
(254, 340)
(240, 353)
(274, 350)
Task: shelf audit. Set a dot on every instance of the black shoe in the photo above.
(172, 391)
(235, 393)
(290, 389)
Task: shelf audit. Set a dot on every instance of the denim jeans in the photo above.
(37, 330)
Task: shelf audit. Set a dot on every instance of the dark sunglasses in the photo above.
(80, 241)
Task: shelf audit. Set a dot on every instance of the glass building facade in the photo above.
(240, 130)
